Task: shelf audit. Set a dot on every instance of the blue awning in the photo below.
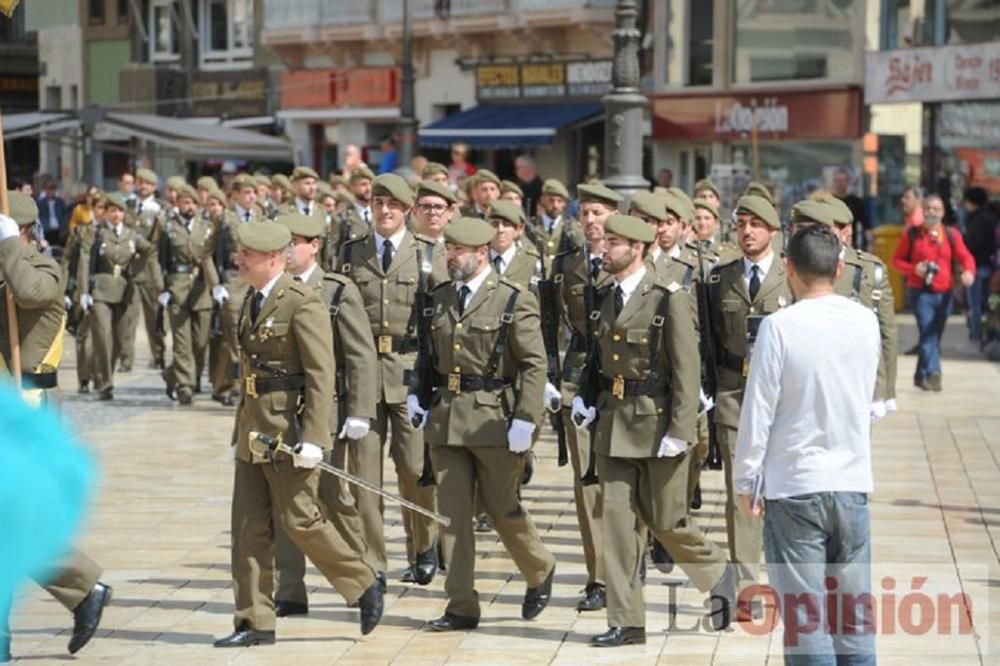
(506, 126)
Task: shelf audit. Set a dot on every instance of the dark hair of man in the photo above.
(815, 253)
(976, 196)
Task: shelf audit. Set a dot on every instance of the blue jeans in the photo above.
(810, 541)
(932, 312)
(976, 297)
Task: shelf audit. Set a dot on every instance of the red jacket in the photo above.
(937, 244)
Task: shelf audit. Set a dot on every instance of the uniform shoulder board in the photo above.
(355, 239)
(870, 258)
(336, 277)
(530, 250)
(425, 239)
(513, 285)
(436, 288)
(298, 287)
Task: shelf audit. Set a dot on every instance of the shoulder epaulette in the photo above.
(513, 285)
(336, 277)
(355, 239)
(438, 286)
(423, 238)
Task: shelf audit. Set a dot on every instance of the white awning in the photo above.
(18, 125)
(198, 139)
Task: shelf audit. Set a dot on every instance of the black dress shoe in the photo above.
(449, 622)
(87, 616)
(662, 560)
(440, 552)
(84, 387)
(371, 604)
(245, 637)
(184, 396)
(124, 367)
(642, 569)
(483, 524)
(722, 599)
(618, 636)
(529, 468)
(425, 566)
(380, 576)
(696, 497)
(537, 598)
(106, 394)
(595, 597)
(288, 608)
(912, 351)
(407, 576)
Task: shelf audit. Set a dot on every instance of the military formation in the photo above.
(371, 317)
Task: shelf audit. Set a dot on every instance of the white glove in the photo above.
(67, 302)
(878, 410)
(8, 228)
(890, 406)
(413, 409)
(582, 415)
(355, 428)
(307, 456)
(519, 436)
(671, 447)
(706, 402)
(220, 294)
(164, 298)
(86, 301)
(553, 398)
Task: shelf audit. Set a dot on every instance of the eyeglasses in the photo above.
(433, 209)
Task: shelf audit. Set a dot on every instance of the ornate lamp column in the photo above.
(407, 113)
(624, 106)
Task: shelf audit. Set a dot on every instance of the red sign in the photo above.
(324, 88)
(799, 114)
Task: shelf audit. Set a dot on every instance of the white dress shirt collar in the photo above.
(396, 239)
(307, 273)
(473, 284)
(631, 283)
(505, 258)
(764, 265)
(266, 289)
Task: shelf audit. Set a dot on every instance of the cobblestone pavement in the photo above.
(160, 528)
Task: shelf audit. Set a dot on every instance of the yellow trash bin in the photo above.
(886, 239)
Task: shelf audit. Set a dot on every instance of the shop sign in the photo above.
(585, 78)
(933, 74)
(324, 88)
(230, 94)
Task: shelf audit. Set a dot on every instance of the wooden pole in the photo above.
(13, 331)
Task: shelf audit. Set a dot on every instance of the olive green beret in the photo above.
(705, 204)
(706, 184)
(649, 204)
(759, 207)
(175, 182)
(841, 212)
(207, 183)
(114, 200)
(185, 190)
(506, 210)
(147, 175)
(555, 186)
(264, 236)
(598, 192)
(682, 207)
(262, 179)
(470, 232)
(301, 172)
(813, 211)
(511, 186)
(307, 226)
(362, 172)
(432, 188)
(23, 208)
(389, 184)
(337, 179)
(760, 190)
(323, 190)
(343, 197)
(486, 174)
(434, 168)
(630, 227)
(281, 180)
(218, 195)
(244, 180)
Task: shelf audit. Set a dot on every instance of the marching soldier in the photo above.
(437, 172)
(186, 250)
(78, 250)
(391, 267)
(434, 209)
(512, 192)
(351, 415)
(557, 232)
(305, 183)
(245, 206)
(486, 341)
(515, 261)
(263, 185)
(286, 352)
(361, 213)
(106, 285)
(645, 375)
(34, 280)
(706, 230)
(281, 192)
(741, 293)
(485, 190)
(146, 218)
(227, 296)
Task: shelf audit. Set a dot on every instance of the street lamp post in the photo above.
(624, 106)
(407, 113)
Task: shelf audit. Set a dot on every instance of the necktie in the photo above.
(754, 285)
(255, 306)
(463, 296)
(246, 216)
(498, 263)
(138, 207)
(619, 301)
(297, 278)
(367, 217)
(307, 210)
(386, 255)
(595, 267)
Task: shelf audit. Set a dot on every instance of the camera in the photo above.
(932, 270)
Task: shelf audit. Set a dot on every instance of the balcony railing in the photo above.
(391, 11)
(290, 14)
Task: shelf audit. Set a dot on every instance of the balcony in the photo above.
(391, 11)
(299, 14)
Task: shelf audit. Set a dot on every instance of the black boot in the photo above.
(87, 616)
(449, 622)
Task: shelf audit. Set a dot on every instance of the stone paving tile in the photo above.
(160, 528)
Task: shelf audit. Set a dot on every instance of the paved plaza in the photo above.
(160, 528)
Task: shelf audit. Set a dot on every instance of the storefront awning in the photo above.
(195, 139)
(506, 126)
(17, 125)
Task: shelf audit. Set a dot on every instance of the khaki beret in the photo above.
(343, 197)
(813, 211)
(506, 210)
(206, 183)
(432, 188)
(147, 175)
(244, 180)
(23, 208)
(323, 190)
(556, 187)
(389, 184)
(301, 172)
(262, 179)
(649, 204)
(264, 236)
(760, 190)
(511, 186)
(706, 184)
(185, 190)
(434, 168)
(705, 204)
(281, 180)
(469, 231)
(841, 212)
(759, 207)
(114, 200)
(630, 227)
(598, 192)
(682, 207)
(486, 174)
(307, 226)
(175, 182)
(218, 195)
(362, 172)
(337, 179)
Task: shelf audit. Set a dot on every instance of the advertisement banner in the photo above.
(933, 74)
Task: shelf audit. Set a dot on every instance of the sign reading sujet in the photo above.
(933, 74)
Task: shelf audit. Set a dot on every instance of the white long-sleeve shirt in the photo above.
(805, 421)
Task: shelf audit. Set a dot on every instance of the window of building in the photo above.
(688, 48)
(95, 12)
(122, 11)
(164, 31)
(226, 39)
(700, 20)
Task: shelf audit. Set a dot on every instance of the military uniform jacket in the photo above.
(38, 292)
(147, 219)
(291, 336)
(315, 209)
(257, 214)
(571, 272)
(730, 305)
(340, 228)
(632, 426)
(463, 345)
(226, 247)
(105, 270)
(565, 236)
(389, 297)
(525, 269)
(77, 250)
(187, 258)
(683, 271)
(718, 252)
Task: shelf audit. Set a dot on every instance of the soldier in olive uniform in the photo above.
(146, 218)
(643, 380)
(286, 352)
(707, 190)
(35, 281)
(555, 231)
(437, 172)
(485, 191)
(486, 340)
(390, 265)
(513, 258)
(741, 293)
(433, 210)
(281, 192)
(186, 251)
(106, 284)
(227, 296)
(350, 417)
(705, 229)
(77, 250)
(511, 191)
(360, 214)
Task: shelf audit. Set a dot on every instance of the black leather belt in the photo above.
(39, 380)
(391, 344)
(456, 383)
(626, 388)
(255, 386)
